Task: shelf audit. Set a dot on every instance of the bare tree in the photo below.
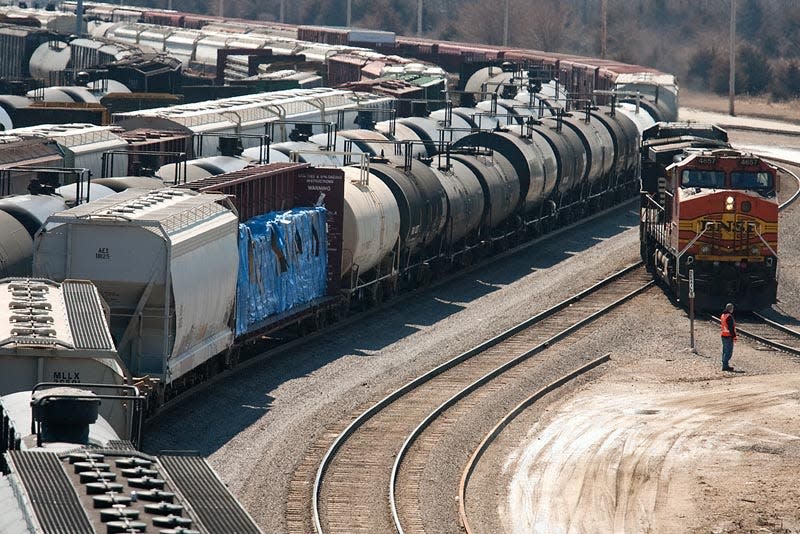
(540, 24)
(481, 22)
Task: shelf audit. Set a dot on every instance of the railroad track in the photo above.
(769, 333)
(286, 347)
(758, 327)
(371, 477)
(785, 204)
(494, 433)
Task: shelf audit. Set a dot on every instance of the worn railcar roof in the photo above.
(16, 150)
(173, 210)
(256, 108)
(73, 135)
(76, 492)
(67, 317)
(653, 78)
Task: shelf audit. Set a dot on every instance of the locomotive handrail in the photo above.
(707, 226)
(755, 229)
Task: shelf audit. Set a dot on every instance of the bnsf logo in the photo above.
(728, 226)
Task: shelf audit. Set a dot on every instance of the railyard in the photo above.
(591, 415)
(694, 450)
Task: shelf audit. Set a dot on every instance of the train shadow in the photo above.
(237, 403)
(552, 250)
(779, 316)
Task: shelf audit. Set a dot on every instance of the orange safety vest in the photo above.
(724, 324)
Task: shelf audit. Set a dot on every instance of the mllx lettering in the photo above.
(68, 377)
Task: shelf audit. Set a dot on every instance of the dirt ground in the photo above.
(759, 107)
(658, 447)
(654, 448)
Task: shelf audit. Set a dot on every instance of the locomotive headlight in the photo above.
(705, 249)
(746, 206)
(754, 251)
(729, 204)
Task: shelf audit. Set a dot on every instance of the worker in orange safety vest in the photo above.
(728, 330)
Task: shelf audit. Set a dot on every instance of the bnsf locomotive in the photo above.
(712, 210)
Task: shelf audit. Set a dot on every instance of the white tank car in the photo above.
(371, 221)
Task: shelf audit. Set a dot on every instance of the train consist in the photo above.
(391, 192)
(710, 211)
(412, 207)
(71, 425)
(211, 50)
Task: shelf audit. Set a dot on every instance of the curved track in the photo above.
(788, 202)
(267, 352)
(769, 333)
(758, 327)
(498, 428)
(369, 479)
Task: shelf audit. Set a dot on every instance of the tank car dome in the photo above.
(79, 93)
(201, 168)
(51, 94)
(16, 247)
(32, 210)
(640, 117)
(12, 103)
(121, 183)
(50, 57)
(70, 192)
(5, 120)
(255, 153)
(307, 152)
(107, 86)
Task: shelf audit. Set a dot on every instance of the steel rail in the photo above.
(796, 194)
(484, 380)
(778, 326)
(286, 347)
(765, 340)
(386, 401)
(492, 435)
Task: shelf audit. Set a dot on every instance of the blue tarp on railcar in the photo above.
(282, 264)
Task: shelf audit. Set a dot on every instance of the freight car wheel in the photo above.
(467, 259)
(424, 274)
(232, 356)
(377, 294)
(389, 287)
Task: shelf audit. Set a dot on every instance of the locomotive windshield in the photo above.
(751, 180)
(710, 179)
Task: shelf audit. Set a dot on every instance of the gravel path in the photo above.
(692, 449)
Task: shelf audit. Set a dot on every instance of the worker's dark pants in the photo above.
(727, 350)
